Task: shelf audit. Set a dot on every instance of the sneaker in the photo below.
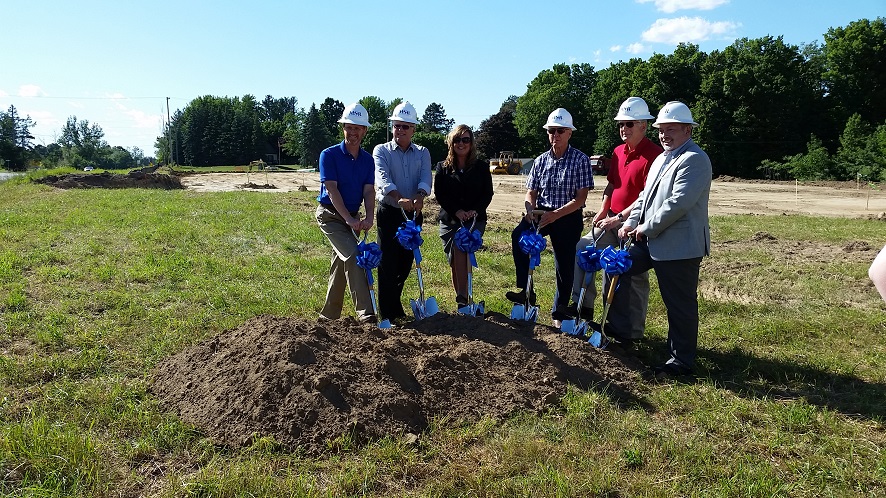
(519, 297)
(371, 319)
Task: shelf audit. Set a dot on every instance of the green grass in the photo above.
(96, 286)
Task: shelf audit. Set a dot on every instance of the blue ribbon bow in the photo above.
(469, 241)
(409, 236)
(368, 257)
(533, 244)
(589, 259)
(615, 261)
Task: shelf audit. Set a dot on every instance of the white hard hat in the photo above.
(633, 109)
(674, 112)
(404, 112)
(355, 114)
(560, 118)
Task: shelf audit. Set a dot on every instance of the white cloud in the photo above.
(3, 94)
(687, 29)
(671, 6)
(615, 48)
(635, 48)
(138, 118)
(30, 91)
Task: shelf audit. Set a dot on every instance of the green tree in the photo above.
(434, 119)
(857, 156)
(376, 108)
(330, 111)
(82, 144)
(435, 143)
(498, 132)
(314, 137)
(561, 86)
(221, 130)
(855, 58)
(815, 164)
(741, 125)
(15, 139)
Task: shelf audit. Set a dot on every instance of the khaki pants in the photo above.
(630, 320)
(343, 267)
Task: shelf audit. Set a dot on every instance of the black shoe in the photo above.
(519, 297)
(572, 311)
(562, 313)
(671, 371)
(461, 301)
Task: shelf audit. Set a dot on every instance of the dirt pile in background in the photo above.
(306, 383)
(134, 179)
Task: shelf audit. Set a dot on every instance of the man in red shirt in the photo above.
(627, 177)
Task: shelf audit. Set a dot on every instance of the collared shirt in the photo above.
(351, 175)
(627, 176)
(404, 171)
(558, 180)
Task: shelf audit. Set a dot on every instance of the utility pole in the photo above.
(168, 133)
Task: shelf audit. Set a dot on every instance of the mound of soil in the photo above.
(134, 179)
(308, 383)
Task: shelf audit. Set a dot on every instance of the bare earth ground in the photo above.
(317, 386)
(728, 195)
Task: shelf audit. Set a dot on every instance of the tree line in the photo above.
(766, 108)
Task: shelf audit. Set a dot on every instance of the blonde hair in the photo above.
(450, 160)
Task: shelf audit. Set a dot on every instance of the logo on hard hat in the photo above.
(558, 118)
(626, 109)
(355, 113)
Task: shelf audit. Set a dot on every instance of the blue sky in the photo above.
(115, 63)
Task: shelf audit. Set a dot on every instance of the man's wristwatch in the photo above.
(422, 192)
(620, 217)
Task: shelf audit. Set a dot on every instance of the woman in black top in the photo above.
(463, 188)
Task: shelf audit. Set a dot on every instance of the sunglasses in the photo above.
(402, 127)
(622, 124)
(464, 140)
(558, 131)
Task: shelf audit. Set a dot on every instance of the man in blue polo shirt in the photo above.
(347, 176)
(558, 184)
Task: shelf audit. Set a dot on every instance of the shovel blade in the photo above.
(384, 324)
(597, 340)
(431, 307)
(416, 309)
(474, 309)
(568, 327)
(581, 329)
(518, 312)
(531, 314)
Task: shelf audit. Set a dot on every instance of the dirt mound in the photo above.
(306, 384)
(134, 179)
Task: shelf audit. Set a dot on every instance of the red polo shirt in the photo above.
(627, 174)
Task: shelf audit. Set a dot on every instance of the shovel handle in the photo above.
(612, 284)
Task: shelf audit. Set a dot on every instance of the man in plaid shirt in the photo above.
(558, 186)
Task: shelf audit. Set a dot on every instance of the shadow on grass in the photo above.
(754, 377)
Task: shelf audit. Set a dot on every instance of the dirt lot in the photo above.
(728, 195)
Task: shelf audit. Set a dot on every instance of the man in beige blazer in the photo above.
(669, 225)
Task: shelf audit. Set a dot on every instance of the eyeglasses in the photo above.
(623, 124)
(558, 131)
(402, 126)
(464, 140)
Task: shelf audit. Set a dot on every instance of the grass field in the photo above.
(97, 285)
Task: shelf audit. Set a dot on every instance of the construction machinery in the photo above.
(600, 164)
(506, 163)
